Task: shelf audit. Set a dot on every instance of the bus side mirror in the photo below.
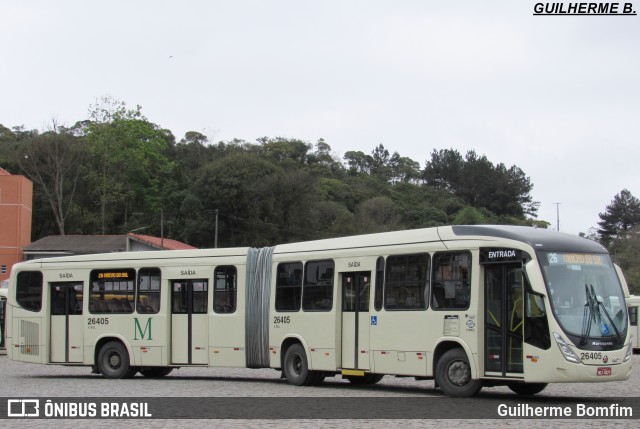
(534, 276)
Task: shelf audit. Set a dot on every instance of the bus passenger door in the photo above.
(189, 322)
(66, 338)
(355, 320)
(503, 320)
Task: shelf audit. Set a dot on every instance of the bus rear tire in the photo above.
(527, 389)
(113, 361)
(453, 375)
(367, 379)
(296, 367)
(155, 372)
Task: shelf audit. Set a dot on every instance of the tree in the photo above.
(380, 163)
(619, 217)
(282, 149)
(468, 216)
(7, 148)
(129, 162)
(239, 186)
(378, 214)
(504, 191)
(192, 153)
(323, 163)
(53, 161)
(626, 253)
(403, 169)
(358, 162)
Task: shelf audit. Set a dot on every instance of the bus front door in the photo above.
(189, 322)
(355, 320)
(66, 337)
(503, 320)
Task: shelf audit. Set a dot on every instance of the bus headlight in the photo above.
(566, 350)
(629, 352)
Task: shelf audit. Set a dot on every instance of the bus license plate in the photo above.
(604, 371)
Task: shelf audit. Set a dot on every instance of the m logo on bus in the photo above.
(137, 329)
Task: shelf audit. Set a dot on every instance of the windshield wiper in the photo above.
(606, 313)
(589, 315)
(593, 310)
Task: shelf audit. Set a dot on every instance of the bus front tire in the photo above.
(113, 361)
(527, 389)
(155, 372)
(296, 368)
(453, 375)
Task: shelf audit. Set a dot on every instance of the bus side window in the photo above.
(536, 328)
(406, 282)
(451, 281)
(225, 289)
(289, 286)
(378, 294)
(29, 290)
(148, 298)
(112, 291)
(318, 286)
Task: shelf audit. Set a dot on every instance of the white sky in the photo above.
(557, 96)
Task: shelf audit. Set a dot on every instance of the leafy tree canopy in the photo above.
(619, 217)
(116, 171)
(504, 191)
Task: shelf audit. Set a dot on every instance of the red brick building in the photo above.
(16, 193)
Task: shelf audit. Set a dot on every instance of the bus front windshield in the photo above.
(586, 295)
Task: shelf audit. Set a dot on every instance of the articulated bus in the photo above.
(634, 306)
(466, 306)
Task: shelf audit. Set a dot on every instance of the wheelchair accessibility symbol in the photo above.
(374, 320)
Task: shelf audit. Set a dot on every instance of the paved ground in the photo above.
(23, 380)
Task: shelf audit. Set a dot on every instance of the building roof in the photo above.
(159, 243)
(90, 244)
(78, 244)
(4, 172)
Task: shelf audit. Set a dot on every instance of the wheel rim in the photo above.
(458, 373)
(114, 361)
(296, 365)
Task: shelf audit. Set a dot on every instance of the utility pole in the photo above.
(162, 229)
(557, 216)
(215, 242)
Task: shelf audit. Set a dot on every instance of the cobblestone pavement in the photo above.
(19, 379)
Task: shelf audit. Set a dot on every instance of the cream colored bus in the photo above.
(468, 306)
(634, 306)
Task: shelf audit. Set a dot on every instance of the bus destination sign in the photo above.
(574, 259)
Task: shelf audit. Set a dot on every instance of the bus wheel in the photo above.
(527, 389)
(113, 361)
(296, 368)
(155, 372)
(453, 375)
(365, 380)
